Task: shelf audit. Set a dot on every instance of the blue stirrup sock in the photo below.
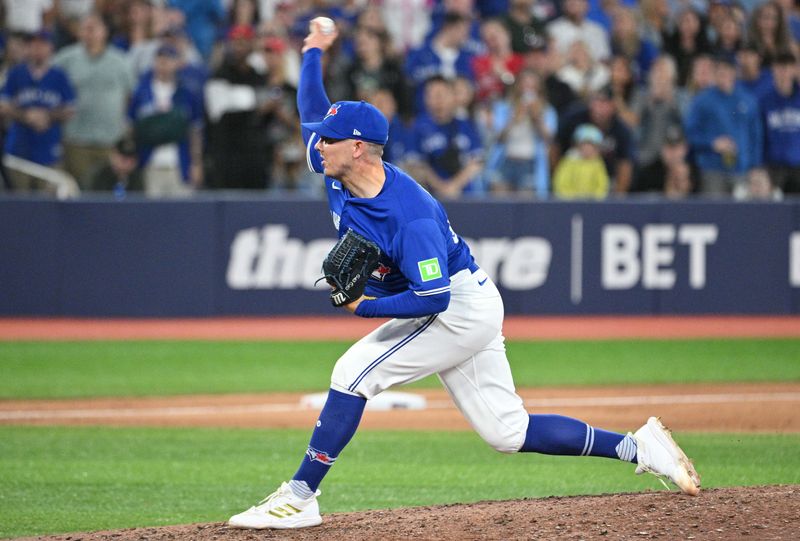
(336, 425)
(559, 435)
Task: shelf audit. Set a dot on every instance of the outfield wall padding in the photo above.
(217, 257)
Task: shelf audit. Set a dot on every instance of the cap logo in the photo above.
(356, 132)
(332, 111)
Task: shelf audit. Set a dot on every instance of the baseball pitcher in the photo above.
(399, 257)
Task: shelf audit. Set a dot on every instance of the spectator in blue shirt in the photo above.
(37, 97)
(780, 111)
(167, 120)
(724, 131)
(442, 56)
(447, 154)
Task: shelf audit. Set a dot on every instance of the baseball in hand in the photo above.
(326, 25)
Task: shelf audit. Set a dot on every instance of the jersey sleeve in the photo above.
(422, 257)
(312, 103)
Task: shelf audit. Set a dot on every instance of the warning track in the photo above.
(352, 328)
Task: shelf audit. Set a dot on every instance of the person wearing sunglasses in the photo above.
(447, 316)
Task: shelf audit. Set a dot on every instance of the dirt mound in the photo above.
(742, 512)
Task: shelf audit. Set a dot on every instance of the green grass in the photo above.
(77, 479)
(140, 368)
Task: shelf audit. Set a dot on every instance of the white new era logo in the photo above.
(356, 132)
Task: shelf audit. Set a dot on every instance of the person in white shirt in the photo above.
(573, 26)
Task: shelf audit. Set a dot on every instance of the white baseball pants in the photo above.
(464, 345)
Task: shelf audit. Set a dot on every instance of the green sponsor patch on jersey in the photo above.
(429, 269)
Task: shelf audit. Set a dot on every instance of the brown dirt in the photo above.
(347, 328)
(728, 513)
(766, 407)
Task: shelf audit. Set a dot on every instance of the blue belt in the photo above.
(473, 268)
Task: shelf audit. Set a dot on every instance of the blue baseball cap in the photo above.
(352, 120)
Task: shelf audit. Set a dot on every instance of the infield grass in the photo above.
(141, 368)
(78, 479)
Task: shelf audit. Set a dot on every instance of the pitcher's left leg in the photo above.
(482, 387)
(483, 390)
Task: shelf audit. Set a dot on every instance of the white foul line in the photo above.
(589, 401)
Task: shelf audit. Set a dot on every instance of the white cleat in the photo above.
(657, 453)
(280, 510)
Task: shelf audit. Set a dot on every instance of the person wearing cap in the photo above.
(780, 112)
(653, 177)
(167, 122)
(581, 173)
(120, 173)
(103, 82)
(724, 130)
(618, 147)
(38, 97)
(447, 315)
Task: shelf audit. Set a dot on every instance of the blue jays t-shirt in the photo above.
(419, 249)
(52, 91)
(446, 147)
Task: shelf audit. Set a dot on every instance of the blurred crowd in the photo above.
(522, 98)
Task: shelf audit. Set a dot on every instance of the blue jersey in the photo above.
(52, 91)
(781, 116)
(446, 147)
(419, 249)
(143, 104)
(714, 113)
(424, 62)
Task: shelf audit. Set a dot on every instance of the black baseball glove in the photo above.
(348, 267)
